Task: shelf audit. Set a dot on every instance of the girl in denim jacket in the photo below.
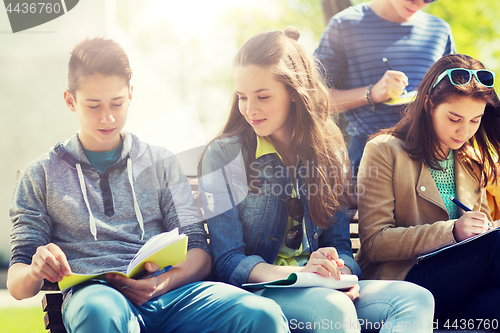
(272, 185)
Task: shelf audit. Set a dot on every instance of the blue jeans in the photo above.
(464, 280)
(400, 306)
(196, 307)
(355, 150)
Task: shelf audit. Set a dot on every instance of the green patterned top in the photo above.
(445, 182)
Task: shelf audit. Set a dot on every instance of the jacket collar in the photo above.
(427, 189)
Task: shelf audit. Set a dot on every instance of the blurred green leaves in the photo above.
(475, 26)
(305, 15)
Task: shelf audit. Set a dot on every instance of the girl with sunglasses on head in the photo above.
(444, 147)
(272, 187)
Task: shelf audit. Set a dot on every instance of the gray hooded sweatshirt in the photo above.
(101, 219)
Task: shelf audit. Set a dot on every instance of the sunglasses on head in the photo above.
(462, 76)
(294, 234)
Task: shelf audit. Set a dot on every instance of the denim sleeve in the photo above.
(223, 186)
(338, 236)
(331, 54)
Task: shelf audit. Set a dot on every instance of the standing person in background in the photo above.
(351, 50)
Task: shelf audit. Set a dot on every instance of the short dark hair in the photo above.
(97, 56)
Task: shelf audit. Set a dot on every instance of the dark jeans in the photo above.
(465, 280)
(355, 151)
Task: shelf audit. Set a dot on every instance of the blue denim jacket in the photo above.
(247, 227)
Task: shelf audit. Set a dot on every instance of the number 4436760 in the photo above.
(472, 324)
(33, 8)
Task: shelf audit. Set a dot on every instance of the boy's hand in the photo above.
(391, 85)
(142, 290)
(49, 262)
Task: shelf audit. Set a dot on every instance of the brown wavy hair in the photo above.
(318, 140)
(417, 130)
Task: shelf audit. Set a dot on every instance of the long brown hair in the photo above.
(318, 141)
(417, 130)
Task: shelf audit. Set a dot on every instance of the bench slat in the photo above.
(52, 302)
(53, 320)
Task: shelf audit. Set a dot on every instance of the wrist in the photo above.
(368, 96)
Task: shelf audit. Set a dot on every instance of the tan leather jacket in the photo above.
(401, 213)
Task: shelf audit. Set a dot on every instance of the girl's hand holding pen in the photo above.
(325, 262)
(470, 224)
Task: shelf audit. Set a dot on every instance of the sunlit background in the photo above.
(181, 54)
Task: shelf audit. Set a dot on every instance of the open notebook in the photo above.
(307, 279)
(165, 249)
(405, 98)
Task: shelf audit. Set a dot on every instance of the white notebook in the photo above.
(307, 279)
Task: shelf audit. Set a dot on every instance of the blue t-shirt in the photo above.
(352, 47)
(102, 160)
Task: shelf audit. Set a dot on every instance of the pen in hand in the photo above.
(461, 205)
(466, 209)
(390, 68)
(159, 272)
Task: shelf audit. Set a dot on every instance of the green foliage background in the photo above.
(475, 24)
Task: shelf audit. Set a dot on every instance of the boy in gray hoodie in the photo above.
(89, 204)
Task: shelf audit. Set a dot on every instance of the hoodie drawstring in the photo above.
(136, 204)
(93, 229)
(138, 214)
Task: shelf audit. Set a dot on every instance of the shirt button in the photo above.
(315, 235)
(422, 188)
(477, 191)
